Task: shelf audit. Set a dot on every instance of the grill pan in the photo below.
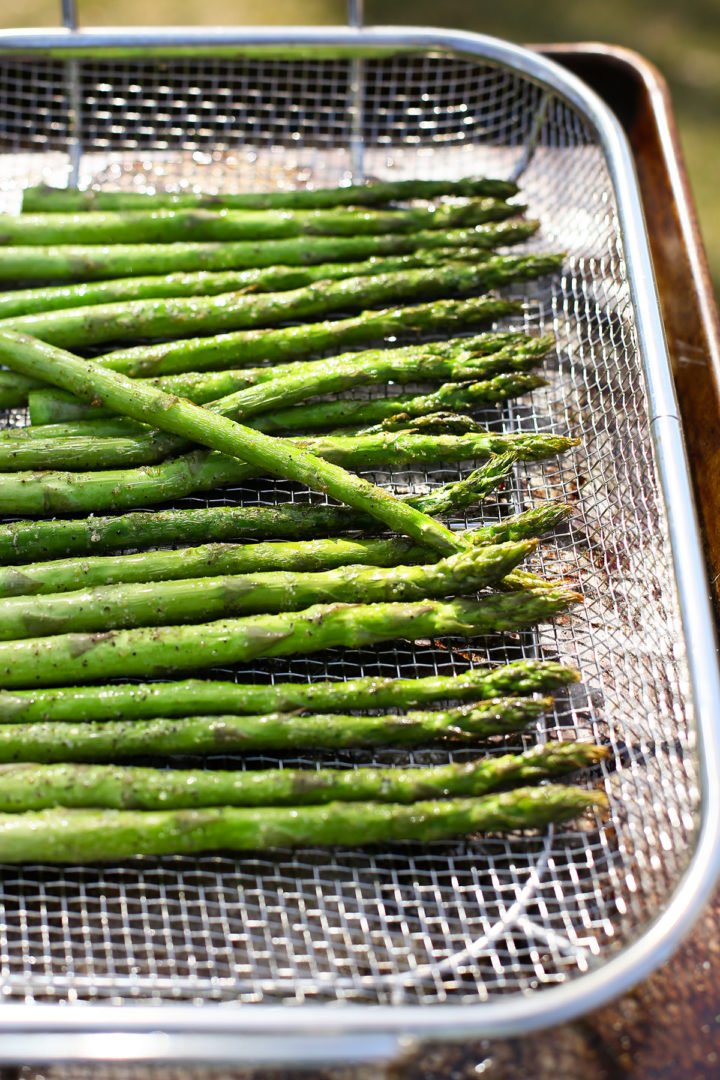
(485, 936)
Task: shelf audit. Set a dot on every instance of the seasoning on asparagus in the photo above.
(87, 836)
(31, 493)
(64, 575)
(68, 262)
(31, 786)
(132, 701)
(174, 317)
(485, 355)
(190, 600)
(180, 417)
(33, 540)
(207, 283)
(154, 651)
(45, 198)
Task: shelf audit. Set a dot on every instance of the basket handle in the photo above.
(69, 14)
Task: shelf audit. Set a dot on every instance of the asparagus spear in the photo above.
(181, 417)
(204, 283)
(68, 658)
(30, 786)
(133, 701)
(248, 346)
(175, 317)
(481, 356)
(190, 600)
(87, 836)
(179, 225)
(485, 354)
(123, 489)
(32, 540)
(45, 198)
(102, 428)
(89, 262)
(440, 423)
(64, 575)
(351, 412)
(147, 446)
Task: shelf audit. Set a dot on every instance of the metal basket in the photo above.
(220, 958)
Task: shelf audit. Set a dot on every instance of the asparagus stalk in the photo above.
(31, 786)
(485, 355)
(399, 409)
(32, 540)
(105, 427)
(295, 418)
(88, 836)
(166, 225)
(147, 446)
(181, 417)
(191, 697)
(44, 198)
(123, 489)
(204, 283)
(189, 600)
(175, 317)
(155, 651)
(65, 575)
(482, 356)
(250, 346)
(479, 357)
(440, 423)
(533, 522)
(89, 262)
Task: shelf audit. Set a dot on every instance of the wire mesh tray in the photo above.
(487, 935)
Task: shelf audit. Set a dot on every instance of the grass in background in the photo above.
(682, 40)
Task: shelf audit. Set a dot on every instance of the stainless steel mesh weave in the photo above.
(442, 923)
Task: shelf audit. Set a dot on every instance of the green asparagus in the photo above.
(481, 356)
(45, 198)
(14, 389)
(88, 262)
(122, 740)
(33, 540)
(87, 836)
(180, 417)
(68, 658)
(349, 412)
(31, 786)
(204, 283)
(144, 447)
(133, 701)
(175, 317)
(198, 225)
(63, 575)
(292, 342)
(123, 489)
(191, 600)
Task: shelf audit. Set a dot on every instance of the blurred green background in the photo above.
(681, 38)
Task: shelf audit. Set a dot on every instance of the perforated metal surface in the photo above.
(443, 923)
